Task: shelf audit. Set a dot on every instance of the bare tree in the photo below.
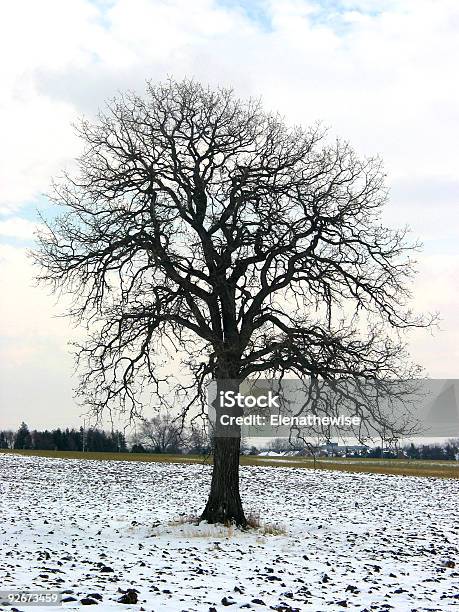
(9, 438)
(199, 224)
(199, 440)
(161, 434)
(280, 445)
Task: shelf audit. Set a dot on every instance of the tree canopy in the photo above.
(199, 223)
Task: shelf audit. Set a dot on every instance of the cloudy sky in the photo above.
(380, 73)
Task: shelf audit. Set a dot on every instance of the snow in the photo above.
(361, 541)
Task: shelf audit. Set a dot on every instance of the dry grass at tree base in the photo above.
(228, 530)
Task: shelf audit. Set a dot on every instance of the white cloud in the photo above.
(27, 311)
(383, 80)
(36, 372)
(437, 289)
(17, 227)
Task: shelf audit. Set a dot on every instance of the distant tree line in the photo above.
(162, 434)
(448, 450)
(93, 440)
(445, 451)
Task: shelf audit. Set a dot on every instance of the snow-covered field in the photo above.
(97, 528)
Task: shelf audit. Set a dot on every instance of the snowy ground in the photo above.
(97, 528)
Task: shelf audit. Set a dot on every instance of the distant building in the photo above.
(333, 449)
(330, 449)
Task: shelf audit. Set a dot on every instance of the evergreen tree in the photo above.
(23, 439)
(3, 440)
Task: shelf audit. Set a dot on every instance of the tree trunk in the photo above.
(224, 504)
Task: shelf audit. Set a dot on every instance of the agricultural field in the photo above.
(321, 539)
(401, 467)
